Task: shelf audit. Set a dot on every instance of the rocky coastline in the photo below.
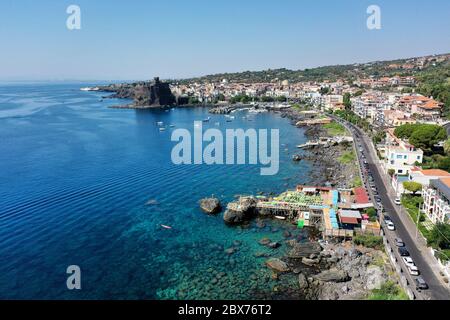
(325, 271)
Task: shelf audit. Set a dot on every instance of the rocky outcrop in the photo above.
(240, 211)
(144, 94)
(303, 281)
(277, 265)
(333, 275)
(210, 205)
(303, 250)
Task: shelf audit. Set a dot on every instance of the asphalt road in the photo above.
(437, 290)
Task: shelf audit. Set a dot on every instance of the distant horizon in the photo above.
(119, 41)
(205, 75)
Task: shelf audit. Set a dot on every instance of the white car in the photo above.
(398, 201)
(390, 225)
(408, 261)
(413, 270)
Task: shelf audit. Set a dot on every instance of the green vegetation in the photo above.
(388, 291)
(412, 186)
(193, 101)
(347, 158)
(241, 99)
(369, 241)
(435, 82)
(379, 137)
(347, 102)
(335, 129)
(436, 161)
(372, 213)
(439, 239)
(391, 172)
(357, 182)
(423, 136)
(412, 205)
(351, 117)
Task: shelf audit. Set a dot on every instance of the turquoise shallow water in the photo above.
(76, 177)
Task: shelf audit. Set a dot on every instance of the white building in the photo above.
(399, 155)
(416, 174)
(437, 200)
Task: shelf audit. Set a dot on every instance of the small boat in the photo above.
(160, 123)
(162, 129)
(217, 123)
(166, 227)
(207, 119)
(280, 218)
(172, 125)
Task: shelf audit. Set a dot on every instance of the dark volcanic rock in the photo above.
(277, 265)
(303, 250)
(144, 94)
(333, 275)
(240, 211)
(210, 205)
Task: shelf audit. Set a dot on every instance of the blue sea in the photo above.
(83, 184)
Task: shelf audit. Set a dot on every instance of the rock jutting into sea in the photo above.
(240, 211)
(210, 205)
(153, 94)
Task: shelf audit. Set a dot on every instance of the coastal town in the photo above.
(382, 182)
(401, 141)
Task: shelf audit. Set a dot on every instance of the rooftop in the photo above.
(431, 172)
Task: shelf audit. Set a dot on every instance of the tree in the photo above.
(405, 131)
(447, 147)
(347, 102)
(444, 163)
(325, 90)
(427, 135)
(391, 172)
(412, 186)
(440, 236)
(423, 136)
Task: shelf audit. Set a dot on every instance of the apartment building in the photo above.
(416, 174)
(437, 200)
(399, 155)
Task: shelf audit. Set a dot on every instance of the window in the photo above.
(399, 156)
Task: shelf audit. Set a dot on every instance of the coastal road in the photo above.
(419, 252)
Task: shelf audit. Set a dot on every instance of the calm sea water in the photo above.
(75, 177)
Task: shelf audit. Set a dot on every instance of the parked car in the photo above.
(399, 242)
(390, 225)
(408, 261)
(398, 201)
(413, 270)
(403, 252)
(421, 284)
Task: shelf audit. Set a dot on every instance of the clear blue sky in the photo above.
(181, 38)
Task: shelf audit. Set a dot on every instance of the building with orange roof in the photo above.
(419, 175)
(424, 107)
